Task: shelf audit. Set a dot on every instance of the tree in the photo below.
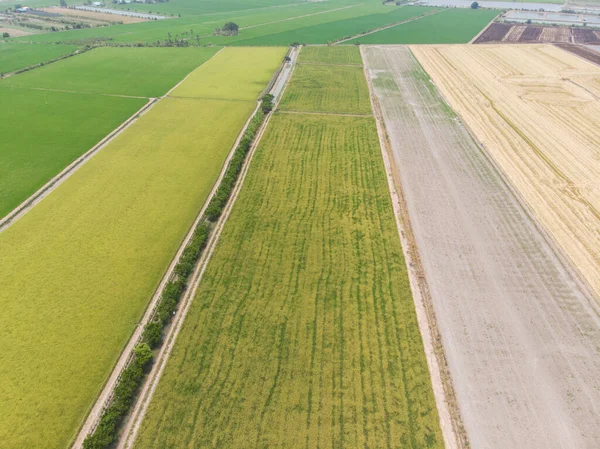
(267, 103)
(5, 34)
(231, 28)
(63, 3)
(474, 5)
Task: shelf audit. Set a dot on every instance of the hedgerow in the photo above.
(131, 378)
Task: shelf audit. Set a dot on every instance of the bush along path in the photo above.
(132, 377)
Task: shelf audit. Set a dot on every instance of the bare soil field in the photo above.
(536, 109)
(14, 32)
(100, 16)
(580, 50)
(519, 330)
(504, 32)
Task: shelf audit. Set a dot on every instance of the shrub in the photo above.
(153, 334)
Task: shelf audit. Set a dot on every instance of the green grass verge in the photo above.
(79, 268)
(345, 54)
(340, 29)
(450, 26)
(303, 331)
(337, 89)
(146, 72)
(15, 56)
(43, 132)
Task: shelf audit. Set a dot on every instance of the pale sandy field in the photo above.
(105, 17)
(520, 332)
(536, 110)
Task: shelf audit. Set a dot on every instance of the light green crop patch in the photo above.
(15, 56)
(303, 332)
(233, 74)
(78, 270)
(146, 72)
(341, 54)
(332, 89)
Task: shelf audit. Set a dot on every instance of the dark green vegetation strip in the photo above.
(145, 72)
(43, 132)
(451, 26)
(303, 331)
(15, 56)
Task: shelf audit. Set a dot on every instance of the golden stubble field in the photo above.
(536, 110)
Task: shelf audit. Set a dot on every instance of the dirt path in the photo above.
(520, 331)
(387, 26)
(450, 420)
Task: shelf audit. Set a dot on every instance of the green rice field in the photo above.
(450, 26)
(144, 72)
(331, 55)
(43, 132)
(303, 331)
(56, 114)
(16, 56)
(78, 270)
(327, 88)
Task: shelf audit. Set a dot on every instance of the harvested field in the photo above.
(78, 270)
(536, 110)
(521, 335)
(303, 331)
(584, 52)
(514, 34)
(555, 34)
(103, 17)
(317, 88)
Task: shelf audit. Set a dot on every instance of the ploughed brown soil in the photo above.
(584, 52)
(520, 33)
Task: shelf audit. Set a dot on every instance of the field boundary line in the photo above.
(151, 382)
(70, 169)
(472, 41)
(376, 30)
(339, 114)
(78, 51)
(46, 89)
(453, 430)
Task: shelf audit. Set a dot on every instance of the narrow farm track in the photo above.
(386, 27)
(520, 331)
